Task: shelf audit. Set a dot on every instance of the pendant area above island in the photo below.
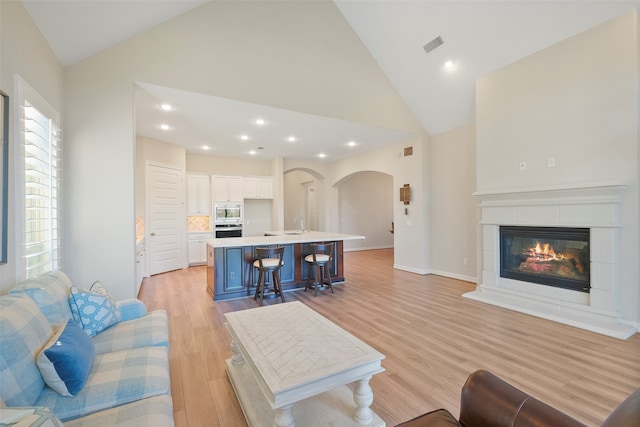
(230, 271)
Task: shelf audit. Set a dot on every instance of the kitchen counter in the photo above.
(230, 271)
(282, 238)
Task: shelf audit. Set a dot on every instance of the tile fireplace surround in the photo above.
(596, 207)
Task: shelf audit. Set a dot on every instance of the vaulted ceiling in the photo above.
(477, 37)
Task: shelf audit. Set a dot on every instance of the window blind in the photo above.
(42, 204)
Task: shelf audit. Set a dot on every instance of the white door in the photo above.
(166, 219)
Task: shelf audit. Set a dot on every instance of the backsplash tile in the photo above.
(139, 228)
(198, 223)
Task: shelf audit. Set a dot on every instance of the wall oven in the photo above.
(228, 230)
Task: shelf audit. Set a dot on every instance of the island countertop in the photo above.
(281, 238)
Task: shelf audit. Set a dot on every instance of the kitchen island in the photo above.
(230, 271)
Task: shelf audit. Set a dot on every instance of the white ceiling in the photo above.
(219, 123)
(479, 36)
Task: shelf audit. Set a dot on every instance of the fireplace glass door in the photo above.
(553, 256)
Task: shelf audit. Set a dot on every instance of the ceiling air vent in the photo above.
(433, 44)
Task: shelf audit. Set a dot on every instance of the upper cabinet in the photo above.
(227, 188)
(258, 187)
(198, 191)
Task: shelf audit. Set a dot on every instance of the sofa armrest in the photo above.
(131, 308)
(26, 416)
(489, 401)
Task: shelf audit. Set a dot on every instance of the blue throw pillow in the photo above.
(66, 360)
(95, 311)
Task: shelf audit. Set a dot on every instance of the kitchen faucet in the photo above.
(301, 219)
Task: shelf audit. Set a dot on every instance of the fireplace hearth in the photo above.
(552, 256)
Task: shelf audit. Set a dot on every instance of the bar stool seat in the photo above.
(320, 260)
(268, 261)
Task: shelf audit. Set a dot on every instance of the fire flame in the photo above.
(543, 252)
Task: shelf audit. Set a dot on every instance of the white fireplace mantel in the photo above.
(595, 206)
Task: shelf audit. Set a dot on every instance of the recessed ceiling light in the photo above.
(205, 147)
(322, 155)
(165, 127)
(449, 65)
(166, 107)
(260, 122)
(252, 152)
(292, 139)
(351, 143)
(244, 137)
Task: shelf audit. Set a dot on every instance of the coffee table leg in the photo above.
(284, 418)
(363, 396)
(237, 358)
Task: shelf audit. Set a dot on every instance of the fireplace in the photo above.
(586, 225)
(552, 256)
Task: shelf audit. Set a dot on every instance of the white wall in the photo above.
(217, 165)
(452, 181)
(296, 183)
(301, 56)
(576, 101)
(411, 238)
(24, 51)
(365, 207)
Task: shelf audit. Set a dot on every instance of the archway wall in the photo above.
(411, 234)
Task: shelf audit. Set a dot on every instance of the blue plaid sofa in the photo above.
(128, 379)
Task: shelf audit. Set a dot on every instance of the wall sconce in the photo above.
(405, 194)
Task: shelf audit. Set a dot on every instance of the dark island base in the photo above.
(230, 271)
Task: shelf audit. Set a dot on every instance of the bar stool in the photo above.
(269, 260)
(320, 262)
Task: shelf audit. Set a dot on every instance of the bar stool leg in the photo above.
(258, 284)
(278, 284)
(325, 268)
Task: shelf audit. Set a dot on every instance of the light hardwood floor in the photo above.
(432, 339)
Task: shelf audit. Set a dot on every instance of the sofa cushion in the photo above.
(50, 292)
(149, 330)
(115, 379)
(23, 332)
(155, 411)
(66, 360)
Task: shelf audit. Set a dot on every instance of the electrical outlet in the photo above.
(523, 166)
(551, 162)
(465, 261)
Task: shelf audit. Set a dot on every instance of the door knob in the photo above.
(153, 234)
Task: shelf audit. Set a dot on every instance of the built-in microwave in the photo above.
(227, 213)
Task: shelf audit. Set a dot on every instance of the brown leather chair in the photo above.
(488, 401)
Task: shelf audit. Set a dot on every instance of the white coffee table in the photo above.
(290, 366)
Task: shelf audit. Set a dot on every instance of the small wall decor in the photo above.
(408, 151)
(405, 194)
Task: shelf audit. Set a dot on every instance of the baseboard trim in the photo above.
(411, 269)
(368, 248)
(455, 276)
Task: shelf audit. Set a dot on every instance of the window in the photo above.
(41, 161)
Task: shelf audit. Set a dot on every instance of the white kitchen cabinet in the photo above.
(264, 187)
(227, 188)
(198, 195)
(258, 187)
(197, 247)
